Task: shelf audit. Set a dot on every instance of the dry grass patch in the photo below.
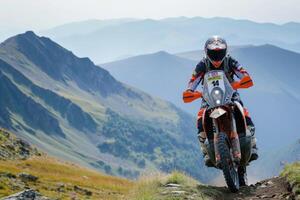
(63, 180)
(292, 174)
(155, 187)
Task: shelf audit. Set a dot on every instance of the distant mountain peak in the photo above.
(29, 41)
(161, 53)
(61, 64)
(26, 35)
(30, 33)
(41, 51)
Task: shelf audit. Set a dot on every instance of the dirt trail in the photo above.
(269, 189)
(275, 188)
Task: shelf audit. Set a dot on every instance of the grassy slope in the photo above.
(55, 178)
(292, 173)
(63, 180)
(59, 179)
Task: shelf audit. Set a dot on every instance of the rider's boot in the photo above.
(202, 135)
(207, 160)
(251, 128)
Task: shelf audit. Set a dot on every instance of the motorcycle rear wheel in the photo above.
(227, 165)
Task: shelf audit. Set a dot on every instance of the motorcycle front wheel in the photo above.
(228, 167)
(242, 176)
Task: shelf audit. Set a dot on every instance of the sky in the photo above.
(44, 14)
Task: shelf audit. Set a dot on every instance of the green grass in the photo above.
(146, 189)
(153, 187)
(292, 174)
(180, 178)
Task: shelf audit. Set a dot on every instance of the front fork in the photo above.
(233, 138)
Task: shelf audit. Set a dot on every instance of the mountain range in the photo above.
(107, 40)
(73, 109)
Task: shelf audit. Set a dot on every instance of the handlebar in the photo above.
(245, 82)
(189, 95)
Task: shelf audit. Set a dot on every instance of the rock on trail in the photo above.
(26, 195)
(269, 189)
(275, 188)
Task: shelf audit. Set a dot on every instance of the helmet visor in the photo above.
(216, 55)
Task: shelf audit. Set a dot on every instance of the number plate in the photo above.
(215, 79)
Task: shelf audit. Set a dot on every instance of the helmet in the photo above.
(216, 50)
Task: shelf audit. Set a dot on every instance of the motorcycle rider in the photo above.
(217, 58)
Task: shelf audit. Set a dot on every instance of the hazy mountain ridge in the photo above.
(160, 74)
(83, 27)
(81, 102)
(175, 35)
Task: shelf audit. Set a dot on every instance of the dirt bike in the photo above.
(228, 139)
